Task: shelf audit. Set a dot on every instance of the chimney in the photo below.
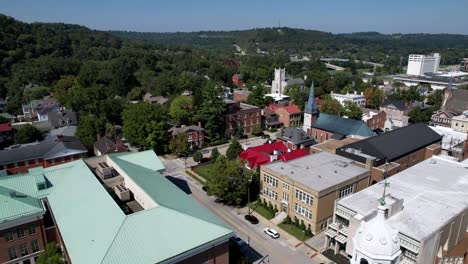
(59, 138)
(355, 92)
(199, 124)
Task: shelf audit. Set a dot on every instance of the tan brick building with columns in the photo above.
(308, 187)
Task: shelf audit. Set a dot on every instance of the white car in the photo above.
(271, 232)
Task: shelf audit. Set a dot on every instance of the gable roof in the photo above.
(184, 129)
(260, 155)
(456, 100)
(5, 127)
(62, 118)
(105, 145)
(51, 147)
(295, 135)
(399, 104)
(110, 236)
(396, 143)
(342, 126)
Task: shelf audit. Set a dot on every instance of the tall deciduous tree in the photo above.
(88, 128)
(198, 156)
(351, 110)
(215, 153)
(27, 134)
(298, 94)
(51, 255)
(374, 97)
(233, 150)
(181, 110)
(257, 97)
(179, 144)
(144, 125)
(211, 112)
(330, 106)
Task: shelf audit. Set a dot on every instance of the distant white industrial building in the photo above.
(357, 99)
(422, 64)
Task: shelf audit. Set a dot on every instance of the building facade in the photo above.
(298, 187)
(241, 116)
(290, 115)
(422, 64)
(441, 118)
(357, 99)
(460, 123)
(195, 134)
(374, 119)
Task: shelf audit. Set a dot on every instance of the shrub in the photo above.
(296, 221)
(301, 225)
(276, 209)
(270, 206)
(308, 232)
(287, 220)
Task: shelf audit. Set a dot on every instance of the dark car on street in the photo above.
(252, 219)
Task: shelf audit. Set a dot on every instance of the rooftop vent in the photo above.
(104, 170)
(122, 192)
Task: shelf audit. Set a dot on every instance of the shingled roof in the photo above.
(342, 126)
(394, 144)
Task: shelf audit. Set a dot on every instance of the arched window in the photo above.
(363, 261)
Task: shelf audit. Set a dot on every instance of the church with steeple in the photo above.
(310, 111)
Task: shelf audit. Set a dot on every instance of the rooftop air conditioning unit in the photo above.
(122, 192)
(105, 170)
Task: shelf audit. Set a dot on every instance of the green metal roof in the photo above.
(343, 126)
(15, 204)
(7, 115)
(93, 227)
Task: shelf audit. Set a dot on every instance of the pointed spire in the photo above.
(311, 107)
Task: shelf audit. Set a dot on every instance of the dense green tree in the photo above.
(257, 130)
(233, 150)
(418, 114)
(215, 153)
(27, 134)
(351, 110)
(330, 106)
(178, 144)
(298, 95)
(198, 156)
(181, 110)
(144, 125)
(374, 97)
(257, 97)
(435, 99)
(51, 255)
(211, 112)
(89, 127)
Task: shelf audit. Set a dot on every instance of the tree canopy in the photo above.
(27, 134)
(233, 150)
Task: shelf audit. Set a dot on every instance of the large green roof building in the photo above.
(156, 223)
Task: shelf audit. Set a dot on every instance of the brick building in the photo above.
(90, 226)
(195, 134)
(397, 113)
(306, 188)
(240, 95)
(6, 134)
(270, 119)
(393, 151)
(238, 80)
(52, 151)
(295, 138)
(374, 119)
(290, 115)
(240, 115)
(105, 145)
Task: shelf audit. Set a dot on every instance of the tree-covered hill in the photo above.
(373, 46)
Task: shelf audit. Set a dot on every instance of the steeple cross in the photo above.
(385, 185)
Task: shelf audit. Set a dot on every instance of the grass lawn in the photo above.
(340, 259)
(206, 171)
(262, 211)
(295, 231)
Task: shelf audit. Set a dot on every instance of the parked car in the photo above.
(237, 240)
(272, 233)
(205, 188)
(205, 151)
(265, 136)
(252, 219)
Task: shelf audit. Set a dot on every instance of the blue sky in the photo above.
(337, 16)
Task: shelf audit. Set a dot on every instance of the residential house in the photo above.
(49, 152)
(452, 141)
(241, 116)
(270, 120)
(391, 152)
(397, 113)
(257, 156)
(295, 138)
(306, 188)
(142, 196)
(322, 126)
(195, 134)
(240, 95)
(61, 118)
(442, 118)
(38, 109)
(374, 119)
(6, 134)
(161, 100)
(423, 210)
(105, 145)
(460, 123)
(290, 115)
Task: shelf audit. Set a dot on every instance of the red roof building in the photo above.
(6, 134)
(289, 115)
(266, 153)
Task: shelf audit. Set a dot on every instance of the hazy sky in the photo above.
(337, 16)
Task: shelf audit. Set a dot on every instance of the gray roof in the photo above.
(62, 118)
(433, 192)
(296, 135)
(457, 101)
(106, 145)
(49, 148)
(342, 126)
(293, 81)
(399, 104)
(318, 171)
(394, 144)
(184, 129)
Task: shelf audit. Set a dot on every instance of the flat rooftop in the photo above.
(331, 145)
(247, 106)
(433, 192)
(349, 95)
(318, 171)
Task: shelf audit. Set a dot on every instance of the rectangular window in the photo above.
(9, 236)
(346, 190)
(12, 253)
(20, 232)
(35, 246)
(24, 249)
(32, 229)
(285, 197)
(304, 197)
(285, 186)
(272, 194)
(303, 211)
(270, 180)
